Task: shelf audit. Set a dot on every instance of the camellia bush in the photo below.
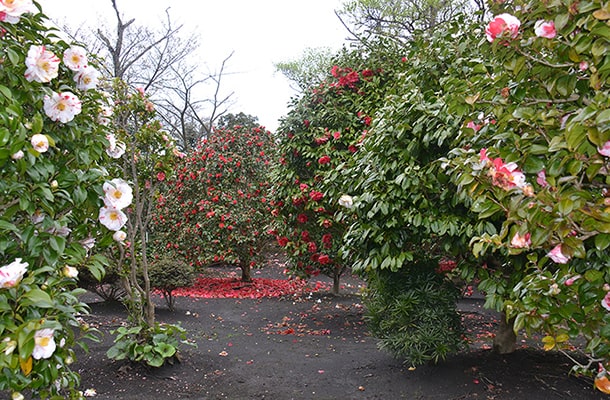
(217, 209)
(409, 232)
(317, 141)
(536, 156)
(146, 156)
(53, 149)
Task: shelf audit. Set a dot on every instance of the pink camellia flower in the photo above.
(545, 29)
(40, 143)
(11, 274)
(541, 179)
(503, 26)
(606, 301)
(75, 58)
(324, 160)
(473, 126)
(521, 242)
(605, 150)
(112, 218)
(62, 107)
(570, 281)
(86, 78)
(18, 155)
(44, 344)
(557, 255)
(118, 193)
(12, 10)
(42, 65)
(583, 66)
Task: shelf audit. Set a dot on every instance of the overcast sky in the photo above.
(259, 32)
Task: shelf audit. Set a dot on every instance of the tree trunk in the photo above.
(245, 272)
(336, 279)
(506, 340)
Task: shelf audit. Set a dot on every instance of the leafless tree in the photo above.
(188, 117)
(397, 20)
(160, 61)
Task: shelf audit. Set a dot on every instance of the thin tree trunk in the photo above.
(336, 281)
(506, 340)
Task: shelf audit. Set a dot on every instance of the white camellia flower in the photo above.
(75, 58)
(18, 155)
(118, 193)
(70, 272)
(119, 236)
(44, 344)
(117, 150)
(62, 107)
(42, 65)
(40, 143)
(346, 201)
(86, 78)
(112, 218)
(11, 274)
(11, 11)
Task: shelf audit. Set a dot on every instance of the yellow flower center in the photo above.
(43, 341)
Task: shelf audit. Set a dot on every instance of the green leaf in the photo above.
(7, 226)
(38, 298)
(602, 241)
(37, 124)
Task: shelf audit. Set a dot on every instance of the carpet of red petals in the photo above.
(235, 288)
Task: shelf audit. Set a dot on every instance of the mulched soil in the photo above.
(312, 345)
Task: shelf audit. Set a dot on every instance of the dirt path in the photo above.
(316, 347)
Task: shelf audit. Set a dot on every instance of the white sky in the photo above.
(259, 32)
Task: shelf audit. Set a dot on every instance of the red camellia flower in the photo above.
(161, 176)
(324, 160)
(282, 241)
(315, 195)
(327, 239)
(311, 247)
(323, 259)
(305, 236)
(302, 218)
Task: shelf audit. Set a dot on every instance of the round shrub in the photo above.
(412, 313)
(169, 273)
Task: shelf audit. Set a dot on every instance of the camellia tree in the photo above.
(146, 158)
(317, 140)
(217, 209)
(52, 156)
(536, 157)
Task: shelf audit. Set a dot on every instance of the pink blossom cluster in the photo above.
(506, 27)
(504, 175)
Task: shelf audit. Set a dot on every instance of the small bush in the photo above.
(169, 273)
(153, 346)
(413, 314)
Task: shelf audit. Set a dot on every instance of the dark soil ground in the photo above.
(316, 346)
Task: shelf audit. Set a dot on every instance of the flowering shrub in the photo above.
(318, 140)
(545, 90)
(148, 159)
(51, 161)
(217, 209)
